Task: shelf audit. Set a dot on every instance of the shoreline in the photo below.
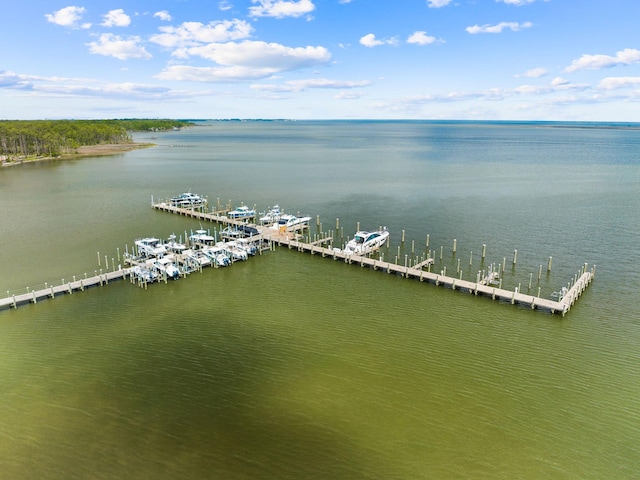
(84, 151)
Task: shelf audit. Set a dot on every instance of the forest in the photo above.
(52, 138)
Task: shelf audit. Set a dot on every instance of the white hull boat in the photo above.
(366, 242)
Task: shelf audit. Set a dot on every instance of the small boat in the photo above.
(188, 200)
(366, 242)
(144, 274)
(291, 222)
(174, 247)
(166, 265)
(272, 216)
(150, 247)
(235, 232)
(201, 238)
(219, 256)
(234, 251)
(241, 212)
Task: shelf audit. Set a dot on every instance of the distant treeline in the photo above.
(56, 137)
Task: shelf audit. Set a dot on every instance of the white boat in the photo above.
(241, 212)
(290, 222)
(166, 265)
(188, 200)
(366, 242)
(174, 247)
(144, 274)
(272, 216)
(218, 256)
(201, 238)
(234, 251)
(150, 247)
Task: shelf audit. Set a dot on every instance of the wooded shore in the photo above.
(25, 141)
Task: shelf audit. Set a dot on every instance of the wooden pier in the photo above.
(292, 240)
(561, 306)
(33, 296)
(482, 287)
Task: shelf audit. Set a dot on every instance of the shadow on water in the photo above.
(188, 393)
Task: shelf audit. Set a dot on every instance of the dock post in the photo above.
(34, 296)
(357, 226)
(458, 268)
(441, 252)
(540, 273)
(99, 260)
(427, 240)
(530, 278)
(549, 264)
(470, 258)
(455, 245)
(413, 247)
(484, 250)
(504, 263)
(337, 224)
(402, 240)
(515, 256)
(118, 250)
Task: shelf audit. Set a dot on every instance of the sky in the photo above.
(573, 60)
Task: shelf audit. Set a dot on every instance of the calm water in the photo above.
(292, 366)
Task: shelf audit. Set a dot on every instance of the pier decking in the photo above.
(33, 296)
(291, 239)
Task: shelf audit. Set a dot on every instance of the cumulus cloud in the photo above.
(196, 33)
(245, 61)
(612, 83)
(224, 5)
(627, 56)
(513, 26)
(163, 15)
(438, 3)
(116, 18)
(281, 8)
(370, 40)
(421, 38)
(68, 17)
(111, 45)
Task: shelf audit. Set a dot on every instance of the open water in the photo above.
(291, 366)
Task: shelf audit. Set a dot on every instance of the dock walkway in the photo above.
(33, 296)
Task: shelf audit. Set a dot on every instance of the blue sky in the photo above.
(321, 59)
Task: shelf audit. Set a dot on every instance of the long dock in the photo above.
(561, 306)
(291, 240)
(33, 296)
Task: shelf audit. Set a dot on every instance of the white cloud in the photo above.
(534, 73)
(262, 55)
(163, 15)
(14, 81)
(246, 60)
(421, 38)
(281, 8)
(111, 45)
(196, 33)
(68, 17)
(300, 85)
(514, 26)
(612, 83)
(116, 18)
(438, 3)
(517, 3)
(370, 40)
(224, 5)
(627, 56)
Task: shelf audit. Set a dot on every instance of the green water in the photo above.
(295, 366)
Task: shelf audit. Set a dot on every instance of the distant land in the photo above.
(32, 140)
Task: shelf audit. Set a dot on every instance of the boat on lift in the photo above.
(271, 216)
(241, 212)
(188, 200)
(150, 247)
